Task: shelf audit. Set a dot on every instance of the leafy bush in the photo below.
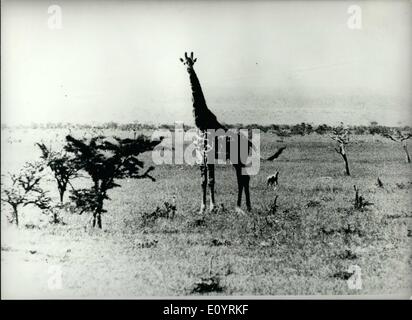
(208, 284)
(377, 129)
(302, 129)
(323, 129)
(168, 211)
(61, 164)
(104, 161)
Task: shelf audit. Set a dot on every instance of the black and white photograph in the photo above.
(206, 150)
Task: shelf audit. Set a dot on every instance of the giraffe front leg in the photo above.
(211, 182)
(212, 198)
(203, 171)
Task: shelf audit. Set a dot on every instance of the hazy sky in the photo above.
(264, 62)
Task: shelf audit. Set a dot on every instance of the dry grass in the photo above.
(314, 236)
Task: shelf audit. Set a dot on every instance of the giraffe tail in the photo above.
(275, 155)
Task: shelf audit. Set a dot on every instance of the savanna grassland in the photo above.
(304, 247)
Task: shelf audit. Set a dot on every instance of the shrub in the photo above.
(61, 164)
(104, 161)
(25, 189)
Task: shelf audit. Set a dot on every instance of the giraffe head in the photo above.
(188, 61)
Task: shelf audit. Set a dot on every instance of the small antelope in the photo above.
(272, 180)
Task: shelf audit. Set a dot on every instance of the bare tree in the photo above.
(25, 189)
(341, 136)
(400, 137)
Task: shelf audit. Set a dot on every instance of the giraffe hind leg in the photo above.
(246, 180)
(240, 189)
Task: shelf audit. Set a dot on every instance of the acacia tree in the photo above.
(400, 137)
(62, 165)
(104, 161)
(25, 189)
(341, 136)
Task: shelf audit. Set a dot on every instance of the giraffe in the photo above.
(205, 120)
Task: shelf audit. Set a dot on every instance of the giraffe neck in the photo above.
(204, 118)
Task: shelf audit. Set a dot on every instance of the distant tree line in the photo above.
(285, 130)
